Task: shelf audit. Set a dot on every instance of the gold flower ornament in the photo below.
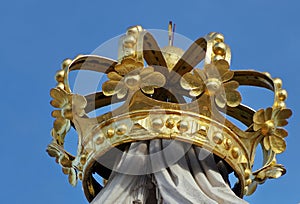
(131, 76)
(268, 122)
(214, 80)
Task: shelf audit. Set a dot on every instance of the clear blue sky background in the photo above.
(35, 36)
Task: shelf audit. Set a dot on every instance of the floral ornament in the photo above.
(66, 162)
(215, 81)
(272, 171)
(69, 104)
(127, 65)
(268, 121)
(130, 75)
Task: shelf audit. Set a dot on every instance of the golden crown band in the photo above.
(154, 108)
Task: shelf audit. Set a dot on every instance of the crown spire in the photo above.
(171, 31)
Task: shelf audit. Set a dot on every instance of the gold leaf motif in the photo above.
(284, 114)
(252, 188)
(73, 177)
(227, 76)
(191, 82)
(146, 71)
(196, 92)
(266, 143)
(60, 97)
(148, 89)
(231, 85)
(282, 123)
(65, 161)
(281, 132)
(111, 87)
(277, 144)
(61, 125)
(127, 65)
(56, 114)
(114, 76)
(268, 113)
(122, 93)
(275, 172)
(53, 152)
(221, 100)
(259, 117)
(233, 97)
(271, 171)
(154, 79)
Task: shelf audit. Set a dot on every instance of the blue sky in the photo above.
(35, 36)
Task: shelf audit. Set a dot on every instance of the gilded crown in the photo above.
(166, 96)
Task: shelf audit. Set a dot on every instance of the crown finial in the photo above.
(171, 31)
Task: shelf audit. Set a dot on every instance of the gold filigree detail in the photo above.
(215, 81)
(272, 171)
(68, 105)
(128, 65)
(61, 124)
(131, 76)
(65, 160)
(268, 122)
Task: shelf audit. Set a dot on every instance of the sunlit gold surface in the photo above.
(143, 117)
